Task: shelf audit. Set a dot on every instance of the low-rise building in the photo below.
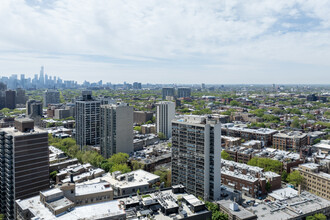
(250, 180)
(315, 181)
(292, 140)
(291, 207)
(235, 211)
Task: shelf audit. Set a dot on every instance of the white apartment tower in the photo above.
(165, 115)
(196, 155)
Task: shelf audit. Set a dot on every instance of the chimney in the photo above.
(71, 178)
(299, 189)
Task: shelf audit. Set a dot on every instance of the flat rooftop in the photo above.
(87, 212)
(290, 208)
(141, 177)
(91, 188)
(241, 213)
(15, 132)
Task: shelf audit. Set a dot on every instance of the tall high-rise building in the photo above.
(167, 92)
(41, 77)
(116, 129)
(87, 117)
(10, 99)
(34, 108)
(196, 155)
(51, 97)
(165, 115)
(3, 88)
(24, 164)
(184, 92)
(21, 98)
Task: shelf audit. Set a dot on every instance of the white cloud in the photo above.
(188, 37)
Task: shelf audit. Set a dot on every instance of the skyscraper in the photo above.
(196, 155)
(184, 92)
(3, 88)
(116, 129)
(87, 120)
(21, 98)
(165, 114)
(24, 164)
(167, 92)
(10, 99)
(41, 78)
(33, 108)
(51, 97)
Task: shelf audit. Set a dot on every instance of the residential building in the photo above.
(55, 204)
(264, 135)
(184, 92)
(148, 129)
(116, 129)
(167, 92)
(3, 88)
(24, 164)
(165, 114)
(323, 146)
(292, 140)
(34, 109)
(250, 180)
(196, 155)
(141, 117)
(130, 183)
(293, 206)
(21, 98)
(87, 117)
(51, 97)
(10, 99)
(235, 211)
(61, 113)
(315, 181)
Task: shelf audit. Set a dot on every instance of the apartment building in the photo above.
(87, 117)
(167, 92)
(250, 180)
(184, 92)
(265, 135)
(165, 114)
(24, 163)
(196, 155)
(116, 130)
(34, 108)
(289, 141)
(51, 97)
(315, 181)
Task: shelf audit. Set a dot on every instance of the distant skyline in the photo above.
(183, 42)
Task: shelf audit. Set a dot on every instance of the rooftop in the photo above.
(86, 212)
(91, 188)
(290, 208)
(241, 213)
(15, 132)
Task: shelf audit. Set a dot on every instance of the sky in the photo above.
(172, 41)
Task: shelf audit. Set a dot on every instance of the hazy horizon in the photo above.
(185, 42)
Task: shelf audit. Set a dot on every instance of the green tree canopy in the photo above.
(267, 164)
(225, 155)
(295, 178)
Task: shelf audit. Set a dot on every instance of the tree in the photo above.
(136, 165)
(123, 168)
(268, 186)
(164, 176)
(119, 158)
(317, 216)
(284, 175)
(267, 164)
(2, 216)
(53, 175)
(138, 129)
(161, 136)
(216, 214)
(234, 103)
(225, 155)
(295, 178)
